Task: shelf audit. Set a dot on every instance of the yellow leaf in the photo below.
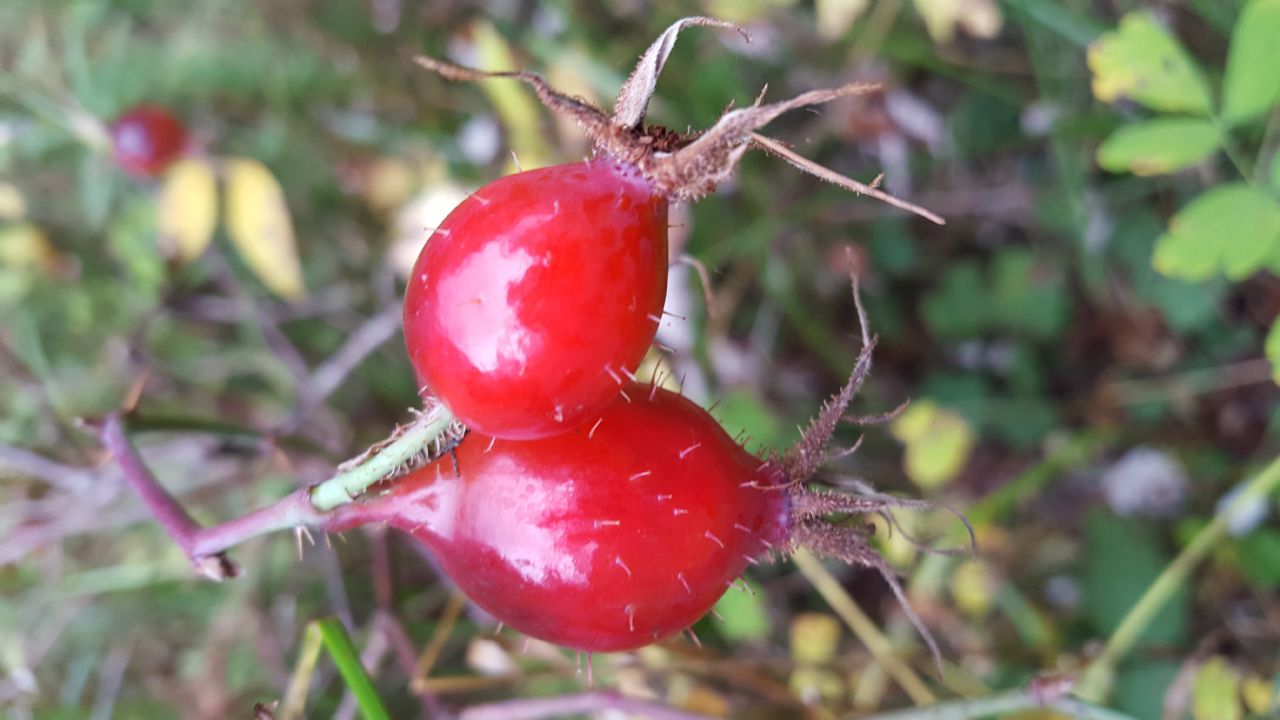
(745, 11)
(979, 18)
(973, 585)
(12, 205)
(814, 638)
(938, 443)
(1215, 693)
(391, 183)
(25, 246)
(187, 209)
(835, 17)
(1259, 694)
(260, 229)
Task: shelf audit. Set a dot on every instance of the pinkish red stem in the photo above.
(553, 707)
(205, 546)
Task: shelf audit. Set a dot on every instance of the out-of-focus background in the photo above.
(1084, 342)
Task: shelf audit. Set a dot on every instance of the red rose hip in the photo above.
(537, 296)
(147, 139)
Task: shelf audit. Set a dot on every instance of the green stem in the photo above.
(410, 442)
(1096, 683)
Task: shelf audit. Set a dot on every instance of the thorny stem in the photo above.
(164, 507)
(409, 442)
(320, 506)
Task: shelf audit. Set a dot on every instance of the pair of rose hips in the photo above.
(585, 508)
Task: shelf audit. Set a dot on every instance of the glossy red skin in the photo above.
(537, 296)
(604, 538)
(147, 139)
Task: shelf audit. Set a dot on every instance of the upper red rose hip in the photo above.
(537, 296)
(147, 139)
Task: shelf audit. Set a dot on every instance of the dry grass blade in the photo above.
(773, 146)
(863, 627)
(431, 653)
(633, 99)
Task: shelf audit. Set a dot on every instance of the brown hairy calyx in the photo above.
(681, 166)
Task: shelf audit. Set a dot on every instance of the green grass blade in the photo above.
(338, 644)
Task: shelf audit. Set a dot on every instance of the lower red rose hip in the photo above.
(619, 532)
(537, 296)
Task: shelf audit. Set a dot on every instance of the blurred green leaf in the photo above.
(1259, 554)
(1252, 82)
(1018, 293)
(1186, 306)
(741, 412)
(96, 184)
(132, 242)
(1142, 61)
(1275, 172)
(1273, 349)
(745, 615)
(1028, 296)
(957, 306)
(1141, 687)
(1111, 582)
(1069, 20)
(1215, 693)
(1232, 229)
(1158, 146)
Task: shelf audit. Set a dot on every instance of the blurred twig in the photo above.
(592, 702)
(64, 477)
(1096, 683)
(329, 375)
(1003, 704)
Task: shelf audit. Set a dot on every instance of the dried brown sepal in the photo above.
(774, 147)
(804, 459)
(853, 548)
(633, 99)
(681, 166)
(696, 169)
(813, 512)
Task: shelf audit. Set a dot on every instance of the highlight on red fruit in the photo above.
(538, 296)
(147, 139)
(617, 533)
